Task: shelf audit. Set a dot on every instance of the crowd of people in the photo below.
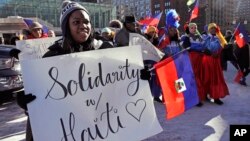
(207, 52)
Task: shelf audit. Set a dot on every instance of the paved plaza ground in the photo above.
(209, 123)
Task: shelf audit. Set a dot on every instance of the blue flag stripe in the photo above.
(185, 71)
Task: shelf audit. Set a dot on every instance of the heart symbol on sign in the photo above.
(135, 109)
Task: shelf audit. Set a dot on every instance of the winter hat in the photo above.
(35, 25)
(68, 7)
(192, 24)
(106, 30)
(228, 32)
(205, 28)
(115, 24)
(152, 29)
(211, 25)
(129, 19)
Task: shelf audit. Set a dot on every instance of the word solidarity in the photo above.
(239, 132)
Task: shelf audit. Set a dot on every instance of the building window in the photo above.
(167, 4)
(157, 6)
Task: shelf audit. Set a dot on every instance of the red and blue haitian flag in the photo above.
(28, 22)
(241, 36)
(154, 21)
(178, 83)
(195, 11)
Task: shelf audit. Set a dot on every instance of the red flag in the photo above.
(241, 36)
(154, 21)
(238, 76)
(178, 83)
(195, 11)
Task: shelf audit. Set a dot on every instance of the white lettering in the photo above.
(239, 132)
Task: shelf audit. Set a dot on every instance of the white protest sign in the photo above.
(92, 95)
(34, 48)
(149, 51)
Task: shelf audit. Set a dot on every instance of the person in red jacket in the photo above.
(36, 31)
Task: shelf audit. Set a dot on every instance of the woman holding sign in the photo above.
(78, 36)
(77, 31)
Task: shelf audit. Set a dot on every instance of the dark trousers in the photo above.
(227, 54)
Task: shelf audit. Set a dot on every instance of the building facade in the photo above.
(160, 6)
(139, 8)
(222, 12)
(242, 13)
(49, 10)
(165, 5)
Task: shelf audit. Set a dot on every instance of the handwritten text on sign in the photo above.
(96, 95)
(35, 48)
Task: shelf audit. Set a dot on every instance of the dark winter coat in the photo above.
(57, 49)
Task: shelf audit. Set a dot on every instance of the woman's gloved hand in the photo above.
(186, 42)
(23, 100)
(145, 73)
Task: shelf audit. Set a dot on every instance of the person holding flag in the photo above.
(175, 73)
(227, 52)
(193, 39)
(242, 52)
(242, 55)
(152, 36)
(212, 74)
(172, 24)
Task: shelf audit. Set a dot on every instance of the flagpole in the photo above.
(159, 20)
(234, 32)
(172, 56)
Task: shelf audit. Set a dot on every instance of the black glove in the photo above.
(23, 100)
(145, 73)
(186, 42)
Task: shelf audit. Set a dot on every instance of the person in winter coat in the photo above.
(152, 35)
(227, 53)
(36, 31)
(51, 33)
(122, 36)
(243, 58)
(115, 24)
(77, 36)
(173, 45)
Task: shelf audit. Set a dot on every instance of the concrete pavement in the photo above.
(210, 122)
(12, 122)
